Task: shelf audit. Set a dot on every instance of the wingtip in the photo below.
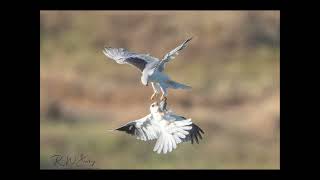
(106, 51)
(201, 130)
(105, 48)
(189, 39)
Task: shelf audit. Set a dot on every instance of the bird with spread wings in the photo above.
(152, 68)
(164, 126)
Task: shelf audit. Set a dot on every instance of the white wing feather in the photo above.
(171, 135)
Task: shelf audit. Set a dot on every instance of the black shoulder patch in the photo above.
(129, 128)
(137, 62)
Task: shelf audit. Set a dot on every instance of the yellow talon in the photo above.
(153, 95)
(163, 98)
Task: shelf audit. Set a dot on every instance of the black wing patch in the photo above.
(137, 62)
(129, 128)
(163, 105)
(194, 134)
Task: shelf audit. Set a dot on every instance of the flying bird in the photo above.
(164, 126)
(152, 68)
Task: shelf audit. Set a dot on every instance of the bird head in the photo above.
(155, 108)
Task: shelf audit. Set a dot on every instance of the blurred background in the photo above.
(232, 63)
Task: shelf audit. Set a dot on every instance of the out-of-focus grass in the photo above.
(115, 150)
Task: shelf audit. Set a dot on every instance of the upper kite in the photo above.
(151, 68)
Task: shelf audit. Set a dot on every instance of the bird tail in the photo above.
(176, 85)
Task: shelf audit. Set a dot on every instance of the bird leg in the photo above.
(164, 105)
(164, 94)
(163, 98)
(165, 101)
(153, 95)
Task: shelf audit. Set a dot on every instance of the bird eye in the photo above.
(152, 105)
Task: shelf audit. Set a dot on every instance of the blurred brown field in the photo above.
(232, 64)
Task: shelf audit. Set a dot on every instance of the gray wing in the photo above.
(122, 56)
(141, 128)
(171, 54)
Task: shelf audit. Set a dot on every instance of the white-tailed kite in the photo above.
(151, 68)
(169, 129)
